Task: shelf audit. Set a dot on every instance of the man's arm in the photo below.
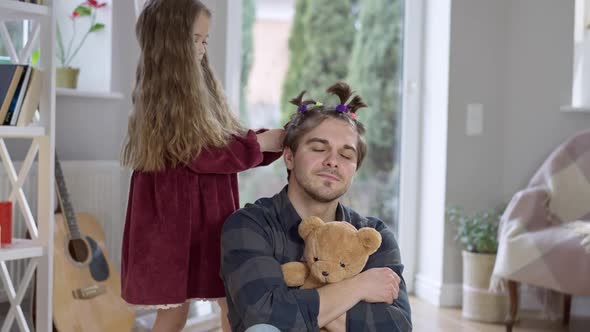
(254, 280)
(255, 284)
(394, 317)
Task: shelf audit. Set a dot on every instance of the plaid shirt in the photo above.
(257, 239)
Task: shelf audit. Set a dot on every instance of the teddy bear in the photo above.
(334, 251)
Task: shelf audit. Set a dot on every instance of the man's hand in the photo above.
(377, 285)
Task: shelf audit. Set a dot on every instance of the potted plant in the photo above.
(478, 234)
(67, 76)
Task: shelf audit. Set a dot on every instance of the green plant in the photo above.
(478, 233)
(85, 9)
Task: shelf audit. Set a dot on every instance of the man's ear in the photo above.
(308, 225)
(288, 156)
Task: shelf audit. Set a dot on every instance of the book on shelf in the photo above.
(9, 77)
(20, 92)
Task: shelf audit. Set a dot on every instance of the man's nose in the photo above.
(331, 160)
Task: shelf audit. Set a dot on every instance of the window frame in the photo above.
(25, 35)
(580, 97)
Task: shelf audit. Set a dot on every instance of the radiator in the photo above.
(96, 187)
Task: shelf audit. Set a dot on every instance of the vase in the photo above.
(67, 77)
(479, 303)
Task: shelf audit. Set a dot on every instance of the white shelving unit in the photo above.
(16, 10)
(39, 249)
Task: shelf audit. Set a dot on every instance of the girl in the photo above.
(185, 148)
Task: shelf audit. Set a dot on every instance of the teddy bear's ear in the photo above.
(370, 238)
(308, 224)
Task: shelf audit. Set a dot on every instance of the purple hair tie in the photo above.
(302, 108)
(342, 108)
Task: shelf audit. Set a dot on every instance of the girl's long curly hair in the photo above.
(179, 107)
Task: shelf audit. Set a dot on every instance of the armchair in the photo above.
(544, 234)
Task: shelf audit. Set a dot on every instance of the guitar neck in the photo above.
(64, 201)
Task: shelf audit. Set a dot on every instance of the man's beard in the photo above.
(317, 193)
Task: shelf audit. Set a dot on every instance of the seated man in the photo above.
(324, 146)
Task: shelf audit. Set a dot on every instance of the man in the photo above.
(323, 149)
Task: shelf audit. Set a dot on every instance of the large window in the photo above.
(294, 45)
(581, 83)
(18, 33)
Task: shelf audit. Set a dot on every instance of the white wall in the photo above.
(540, 51)
(477, 75)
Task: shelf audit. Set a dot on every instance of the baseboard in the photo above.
(438, 294)
(427, 289)
(450, 295)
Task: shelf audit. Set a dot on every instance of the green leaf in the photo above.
(97, 27)
(83, 10)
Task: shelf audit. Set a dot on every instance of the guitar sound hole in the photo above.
(78, 250)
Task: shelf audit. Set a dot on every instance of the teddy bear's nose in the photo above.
(325, 274)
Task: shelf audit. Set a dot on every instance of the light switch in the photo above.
(474, 120)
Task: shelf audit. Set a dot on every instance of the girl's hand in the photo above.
(271, 140)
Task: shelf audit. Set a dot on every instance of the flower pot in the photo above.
(478, 303)
(67, 77)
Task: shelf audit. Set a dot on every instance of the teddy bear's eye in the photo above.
(342, 265)
(315, 259)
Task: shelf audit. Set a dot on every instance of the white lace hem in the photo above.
(168, 306)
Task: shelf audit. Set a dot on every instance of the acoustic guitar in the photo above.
(86, 288)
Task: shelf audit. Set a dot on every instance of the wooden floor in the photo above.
(428, 318)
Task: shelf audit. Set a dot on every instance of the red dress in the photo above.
(171, 242)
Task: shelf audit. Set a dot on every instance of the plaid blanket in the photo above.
(544, 234)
